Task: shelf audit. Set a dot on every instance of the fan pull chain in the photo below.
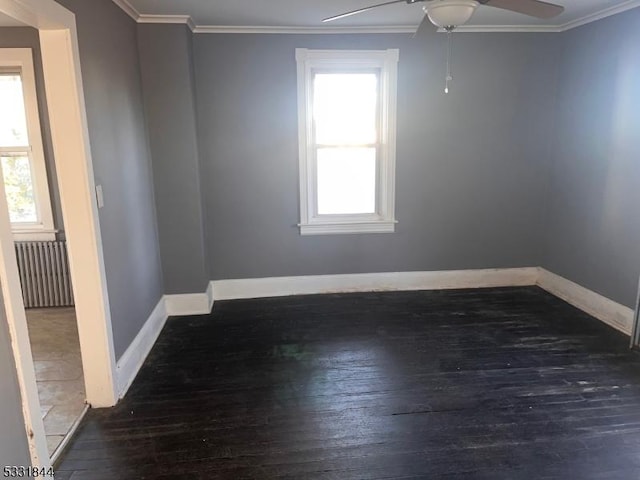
(449, 77)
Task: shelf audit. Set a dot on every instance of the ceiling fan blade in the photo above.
(361, 10)
(533, 8)
(424, 24)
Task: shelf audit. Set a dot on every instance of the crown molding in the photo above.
(168, 19)
(128, 8)
(505, 29)
(303, 30)
(593, 17)
(187, 20)
(578, 22)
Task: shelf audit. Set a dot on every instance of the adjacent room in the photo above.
(340, 239)
(32, 194)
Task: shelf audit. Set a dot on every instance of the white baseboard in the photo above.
(604, 309)
(612, 313)
(365, 282)
(129, 364)
(57, 453)
(190, 303)
(210, 297)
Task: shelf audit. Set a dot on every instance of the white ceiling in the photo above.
(6, 21)
(309, 13)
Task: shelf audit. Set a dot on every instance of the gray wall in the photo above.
(14, 449)
(169, 93)
(121, 161)
(26, 37)
(470, 165)
(593, 228)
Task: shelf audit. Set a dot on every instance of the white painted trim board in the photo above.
(190, 303)
(393, 281)
(131, 361)
(57, 453)
(202, 303)
(604, 309)
(612, 313)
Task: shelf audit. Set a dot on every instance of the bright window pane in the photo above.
(18, 186)
(13, 119)
(345, 107)
(346, 180)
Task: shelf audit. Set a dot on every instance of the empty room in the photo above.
(339, 239)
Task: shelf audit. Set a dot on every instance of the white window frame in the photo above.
(383, 220)
(20, 61)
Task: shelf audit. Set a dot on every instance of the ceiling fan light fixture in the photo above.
(449, 14)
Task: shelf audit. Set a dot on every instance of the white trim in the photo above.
(34, 235)
(128, 8)
(604, 13)
(210, 297)
(506, 29)
(202, 303)
(295, 30)
(578, 22)
(165, 19)
(67, 438)
(366, 282)
(132, 359)
(347, 228)
(612, 313)
(291, 30)
(70, 138)
(190, 303)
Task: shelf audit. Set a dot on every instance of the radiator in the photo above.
(44, 274)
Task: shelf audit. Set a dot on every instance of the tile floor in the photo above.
(56, 353)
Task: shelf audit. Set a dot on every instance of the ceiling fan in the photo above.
(449, 14)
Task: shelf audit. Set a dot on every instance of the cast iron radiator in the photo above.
(44, 274)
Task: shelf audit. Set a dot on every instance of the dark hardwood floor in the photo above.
(467, 384)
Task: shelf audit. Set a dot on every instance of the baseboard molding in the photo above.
(604, 309)
(190, 303)
(614, 314)
(131, 361)
(57, 453)
(307, 285)
(210, 297)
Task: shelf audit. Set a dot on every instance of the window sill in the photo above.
(347, 228)
(34, 235)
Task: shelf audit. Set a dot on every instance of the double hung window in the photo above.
(21, 151)
(347, 109)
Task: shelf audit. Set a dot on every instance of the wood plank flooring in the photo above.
(507, 383)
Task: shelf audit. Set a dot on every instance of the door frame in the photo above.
(71, 146)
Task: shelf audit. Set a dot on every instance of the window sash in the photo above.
(345, 71)
(316, 146)
(16, 73)
(346, 216)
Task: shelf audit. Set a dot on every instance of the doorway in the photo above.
(70, 140)
(41, 251)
